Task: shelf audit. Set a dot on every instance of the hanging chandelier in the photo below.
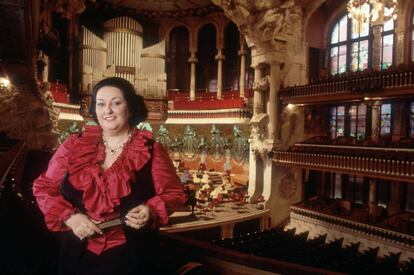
(364, 12)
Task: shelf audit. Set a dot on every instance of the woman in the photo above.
(110, 172)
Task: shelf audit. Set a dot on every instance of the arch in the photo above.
(178, 68)
(231, 64)
(404, 26)
(206, 68)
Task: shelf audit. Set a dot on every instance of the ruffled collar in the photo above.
(102, 190)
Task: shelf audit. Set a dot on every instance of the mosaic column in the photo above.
(193, 60)
(219, 58)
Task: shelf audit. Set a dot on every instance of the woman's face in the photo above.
(112, 109)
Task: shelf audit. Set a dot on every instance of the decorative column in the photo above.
(193, 60)
(242, 79)
(257, 99)
(219, 58)
(372, 198)
(400, 47)
(273, 105)
(376, 108)
(376, 47)
(394, 205)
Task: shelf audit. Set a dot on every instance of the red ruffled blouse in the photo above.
(102, 190)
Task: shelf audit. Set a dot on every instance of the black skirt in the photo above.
(141, 258)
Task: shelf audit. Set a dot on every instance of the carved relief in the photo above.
(287, 186)
(258, 136)
(266, 20)
(262, 84)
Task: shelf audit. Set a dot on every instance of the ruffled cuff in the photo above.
(57, 222)
(159, 210)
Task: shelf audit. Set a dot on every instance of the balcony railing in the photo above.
(389, 237)
(226, 116)
(383, 165)
(362, 83)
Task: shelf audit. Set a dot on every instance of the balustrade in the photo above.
(394, 169)
(359, 82)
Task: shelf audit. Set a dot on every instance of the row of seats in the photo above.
(333, 255)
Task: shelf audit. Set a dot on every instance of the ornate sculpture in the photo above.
(258, 141)
(189, 142)
(217, 142)
(162, 137)
(240, 145)
(262, 84)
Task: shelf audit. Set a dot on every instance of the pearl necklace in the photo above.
(113, 151)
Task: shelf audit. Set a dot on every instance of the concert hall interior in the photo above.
(290, 124)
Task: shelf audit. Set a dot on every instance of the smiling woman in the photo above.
(114, 174)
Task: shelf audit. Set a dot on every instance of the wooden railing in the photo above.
(378, 167)
(362, 83)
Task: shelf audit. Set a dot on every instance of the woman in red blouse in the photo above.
(110, 172)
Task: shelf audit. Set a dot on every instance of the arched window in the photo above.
(412, 36)
(412, 120)
(387, 42)
(350, 49)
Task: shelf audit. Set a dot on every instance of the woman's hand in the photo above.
(82, 226)
(138, 217)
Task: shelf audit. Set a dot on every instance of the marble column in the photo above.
(376, 47)
(273, 105)
(372, 197)
(257, 99)
(219, 58)
(242, 79)
(193, 60)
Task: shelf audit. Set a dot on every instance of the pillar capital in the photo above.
(219, 56)
(193, 60)
(242, 52)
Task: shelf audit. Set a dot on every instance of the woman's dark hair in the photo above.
(136, 104)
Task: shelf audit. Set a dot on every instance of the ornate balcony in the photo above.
(223, 116)
(353, 85)
(376, 162)
(369, 235)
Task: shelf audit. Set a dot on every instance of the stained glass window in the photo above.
(387, 42)
(338, 50)
(349, 49)
(351, 44)
(412, 120)
(357, 118)
(337, 122)
(385, 120)
(412, 36)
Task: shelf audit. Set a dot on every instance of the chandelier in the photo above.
(362, 12)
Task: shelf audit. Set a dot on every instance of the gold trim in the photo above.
(124, 30)
(154, 55)
(89, 47)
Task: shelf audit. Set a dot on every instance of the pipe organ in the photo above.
(124, 38)
(152, 81)
(93, 62)
(120, 53)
